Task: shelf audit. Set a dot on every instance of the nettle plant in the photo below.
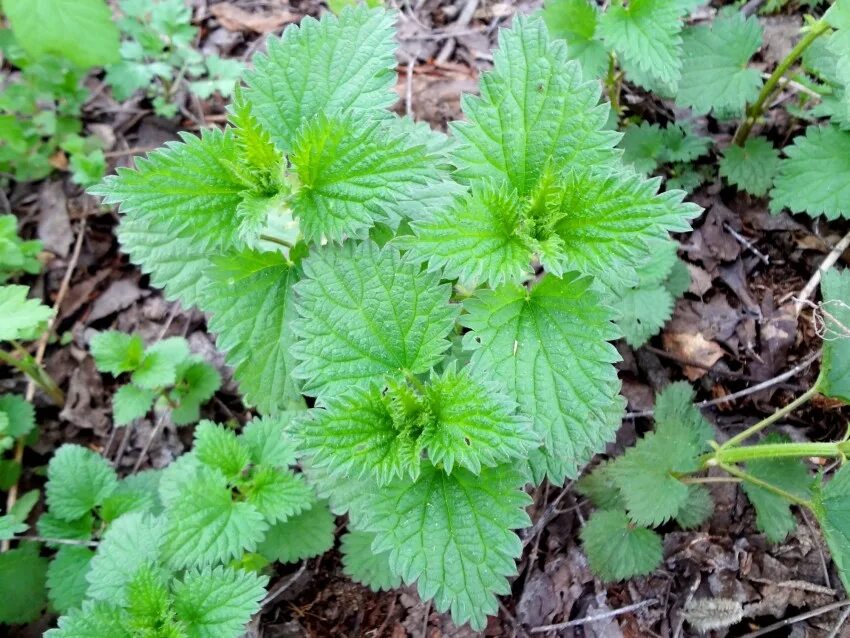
(42, 101)
(707, 68)
(665, 476)
(443, 303)
(158, 56)
(163, 376)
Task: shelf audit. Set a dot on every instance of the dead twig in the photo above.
(785, 622)
(833, 256)
(462, 21)
(12, 496)
(283, 586)
(764, 385)
(746, 243)
(595, 617)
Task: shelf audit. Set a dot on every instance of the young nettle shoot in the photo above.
(163, 376)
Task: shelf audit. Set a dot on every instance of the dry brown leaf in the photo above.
(693, 347)
(234, 18)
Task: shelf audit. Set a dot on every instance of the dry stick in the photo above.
(548, 515)
(595, 618)
(462, 21)
(59, 541)
(12, 497)
(826, 264)
(282, 587)
(156, 430)
(795, 619)
(823, 565)
(746, 243)
(764, 385)
(839, 624)
(408, 90)
(133, 150)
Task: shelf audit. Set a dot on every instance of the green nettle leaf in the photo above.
(576, 22)
(472, 425)
(609, 222)
(159, 366)
(323, 66)
(363, 565)
(9, 527)
(257, 342)
(534, 112)
(131, 402)
(646, 474)
(21, 318)
(254, 142)
(477, 239)
(268, 442)
(358, 434)
(178, 208)
(549, 347)
(835, 369)
(698, 507)
(131, 542)
(601, 488)
(643, 146)
(217, 603)
(647, 35)
(751, 167)
(20, 415)
(58, 27)
(352, 172)
(452, 535)
(92, 620)
(78, 480)
(66, 577)
(364, 312)
(219, 447)
(773, 512)
(197, 382)
(644, 309)
(205, 526)
(715, 75)
(277, 494)
(117, 352)
(815, 176)
(51, 526)
(456, 420)
(23, 574)
(307, 534)
(832, 507)
(617, 549)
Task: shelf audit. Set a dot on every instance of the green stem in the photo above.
(612, 83)
(754, 111)
(697, 480)
(276, 240)
(773, 418)
(775, 451)
(34, 371)
(793, 498)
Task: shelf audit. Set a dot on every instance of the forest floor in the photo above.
(736, 327)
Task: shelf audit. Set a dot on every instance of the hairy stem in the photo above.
(612, 83)
(755, 110)
(749, 478)
(773, 418)
(722, 456)
(28, 365)
(276, 240)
